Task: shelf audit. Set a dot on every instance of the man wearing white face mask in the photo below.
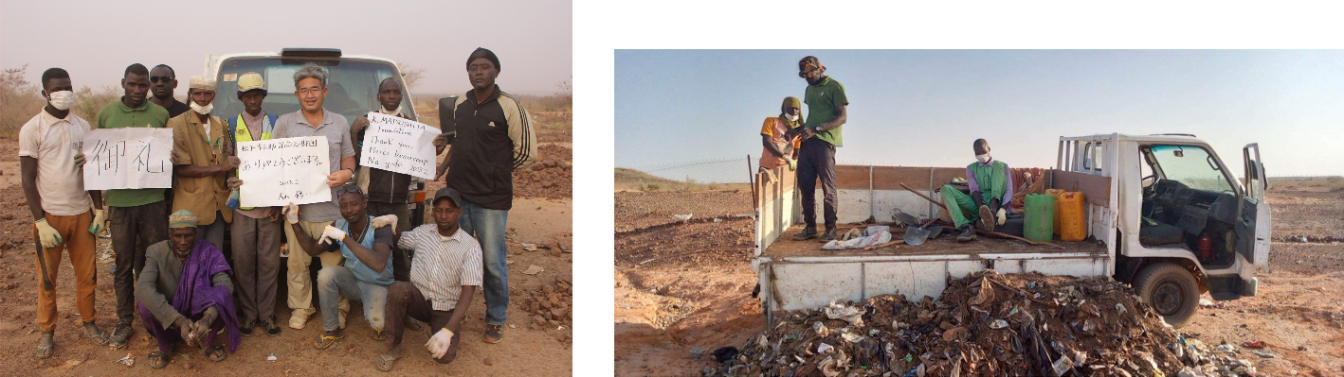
(990, 198)
(204, 158)
(781, 148)
(53, 182)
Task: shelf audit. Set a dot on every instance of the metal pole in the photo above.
(751, 179)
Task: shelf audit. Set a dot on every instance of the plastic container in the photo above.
(1056, 193)
(1040, 210)
(1071, 214)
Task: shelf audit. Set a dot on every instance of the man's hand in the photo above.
(201, 328)
(173, 157)
(98, 219)
(79, 159)
(185, 325)
(441, 171)
(49, 236)
(385, 220)
(340, 177)
(438, 344)
(793, 164)
(291, 213)
(440, 142)
(332, 234)
(232, 163)
(274, 216)
(233, 182)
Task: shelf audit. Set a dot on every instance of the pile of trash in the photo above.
(984, 324)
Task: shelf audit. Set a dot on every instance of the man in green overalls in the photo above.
(988, 179)
(255, 232)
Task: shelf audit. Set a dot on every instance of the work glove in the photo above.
(1002, 215)
(291, 212)
(331, 233)
(385, 220)
(438, 344)
(793, 164)
(233, 202)
(79, 159)
(49, 236)
(97, 225)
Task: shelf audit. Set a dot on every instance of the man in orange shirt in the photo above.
(779, 149)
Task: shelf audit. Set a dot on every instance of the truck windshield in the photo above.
(1192, 166)
(352, 85)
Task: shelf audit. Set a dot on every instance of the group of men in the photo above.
(169, 264)
(808, 147)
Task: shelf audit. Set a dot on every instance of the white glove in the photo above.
(385, 220)
(1003, 216)
(438, 344)
(331, 234)
(49, 236)
(793, 164)
(291, 213)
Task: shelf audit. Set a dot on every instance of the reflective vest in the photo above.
(242, 134)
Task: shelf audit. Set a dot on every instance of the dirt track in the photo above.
(685, 290)
(542, 214)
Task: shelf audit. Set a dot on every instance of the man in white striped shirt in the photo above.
(445, 272)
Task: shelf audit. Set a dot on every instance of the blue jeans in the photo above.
(488, 226)
(336, 281)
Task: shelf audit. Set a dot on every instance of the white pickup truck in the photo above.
(1150, 201)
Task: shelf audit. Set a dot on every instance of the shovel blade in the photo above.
(914, 236)
(934, 231)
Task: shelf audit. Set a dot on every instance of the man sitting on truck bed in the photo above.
(987, 178)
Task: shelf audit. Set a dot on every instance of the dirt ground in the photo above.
(541, 214)
(683, 290)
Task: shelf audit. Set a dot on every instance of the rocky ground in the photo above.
(542, 215)
(683, 290)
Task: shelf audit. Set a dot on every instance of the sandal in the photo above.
(159, 359)
(384, 363)
(326, 341)
(214, 353)
(46, 347)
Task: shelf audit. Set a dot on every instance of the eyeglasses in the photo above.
(163, 79)
(349, 188)
(311, 89)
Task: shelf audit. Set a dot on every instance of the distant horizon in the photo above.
(924, 107)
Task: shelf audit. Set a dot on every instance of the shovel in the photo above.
(905, 218)
(916, 236)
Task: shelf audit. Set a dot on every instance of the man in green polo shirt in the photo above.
(139, 217)
(826, 113)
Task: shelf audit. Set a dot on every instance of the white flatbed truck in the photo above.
(1150, 201)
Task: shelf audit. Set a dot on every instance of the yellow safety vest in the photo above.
(242, 134)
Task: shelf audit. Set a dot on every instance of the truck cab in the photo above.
(352, 89)
(1163, 213)
(1185, 225)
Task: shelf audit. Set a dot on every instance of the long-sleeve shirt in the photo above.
(490, 140)
(1007, 177)
(158, 282)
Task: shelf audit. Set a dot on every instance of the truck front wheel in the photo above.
(1170, 289)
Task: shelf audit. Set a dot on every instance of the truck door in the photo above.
(1252, 229)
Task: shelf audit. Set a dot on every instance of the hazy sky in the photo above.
(96, 40)
(925, 107)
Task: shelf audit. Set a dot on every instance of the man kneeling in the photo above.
(444, 274)
(366, 244)
(186, 285)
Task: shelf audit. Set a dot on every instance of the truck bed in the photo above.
(946, 244)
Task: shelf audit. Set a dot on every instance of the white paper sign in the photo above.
(277, 172)
(399, 145)
(128, 158)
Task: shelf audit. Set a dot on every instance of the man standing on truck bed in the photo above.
(491, 137)
(387, 190)
(988, 178)
(826, 113)
(162, 81)
(53, 183)
(310, 83)
(781, 150)
(139, 217)
(255, 231)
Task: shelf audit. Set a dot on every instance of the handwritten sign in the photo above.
(399, 145)
(128, 158)
(277, 172)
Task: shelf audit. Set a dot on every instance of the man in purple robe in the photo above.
(186, 285)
